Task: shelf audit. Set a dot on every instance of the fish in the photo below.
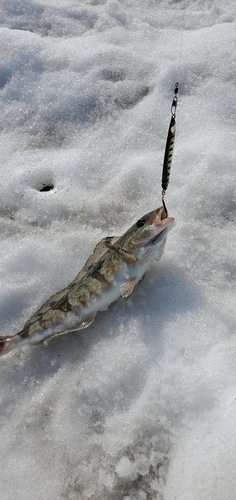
(115, 267)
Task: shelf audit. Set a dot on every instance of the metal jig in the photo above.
(169, 146)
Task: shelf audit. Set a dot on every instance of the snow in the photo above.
(140, 406)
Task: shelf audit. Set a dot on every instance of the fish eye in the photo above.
(140, 223)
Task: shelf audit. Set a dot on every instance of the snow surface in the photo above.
(142, 405)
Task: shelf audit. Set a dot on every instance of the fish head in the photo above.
(147, 237)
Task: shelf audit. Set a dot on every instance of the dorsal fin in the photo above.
(98, 252)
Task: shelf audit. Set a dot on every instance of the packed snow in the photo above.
(142, 404)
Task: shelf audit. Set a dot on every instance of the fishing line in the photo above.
(180, 46)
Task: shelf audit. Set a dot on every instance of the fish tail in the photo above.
(7, 344)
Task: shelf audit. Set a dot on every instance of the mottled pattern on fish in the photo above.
(92, 280)
(115, 267)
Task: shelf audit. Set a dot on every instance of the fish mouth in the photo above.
(162, 223)
(164, 213)
(160, 218)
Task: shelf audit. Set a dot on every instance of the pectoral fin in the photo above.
(127, 288)
(85, 322)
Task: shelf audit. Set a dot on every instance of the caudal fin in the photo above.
(7, 344)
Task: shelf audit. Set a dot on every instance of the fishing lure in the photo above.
(169, 146)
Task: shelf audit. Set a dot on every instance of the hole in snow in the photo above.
(42, 182)
(46, 187)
